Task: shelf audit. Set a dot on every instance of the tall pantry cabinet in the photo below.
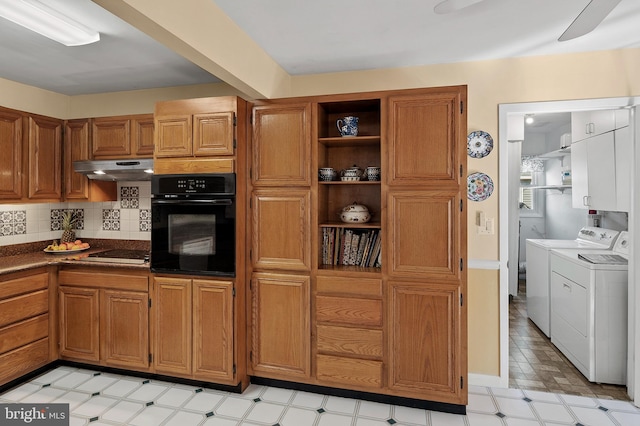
(280, 247)
(396, 325)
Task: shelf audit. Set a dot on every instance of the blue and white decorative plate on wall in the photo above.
(479, 187)
(479, 144)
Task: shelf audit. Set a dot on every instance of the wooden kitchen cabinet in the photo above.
(194, 329)
(396, 327)
(124, 322)
(196, 135)
(424, 137)
(44, 142)
(25, 327)
(280, 329)
(281, 145)
(349, 319)
(119, 137)
(172, 323)
(77, 187)
(281, 229)
(11, 159)
(32, 157)
(80, 323)
(104, 317)
(213, 342)
(425, 343)
(201, 135)
(419, 247)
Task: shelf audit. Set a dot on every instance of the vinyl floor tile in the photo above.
(182, 405)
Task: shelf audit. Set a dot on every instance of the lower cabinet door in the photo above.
(79, 323)
(172, 325)
(425, 345)
(125, 326)
(280, 332)
(213, 330)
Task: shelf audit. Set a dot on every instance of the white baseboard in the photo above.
(488, 381)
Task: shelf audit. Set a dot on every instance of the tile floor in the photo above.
(109, 399)
(536, 364)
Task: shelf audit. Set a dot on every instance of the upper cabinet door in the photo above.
(76, 148)
(213, 134)
(425, 133)
(45, 158)
(111, 137)
(142, 133)
(11, 158)
(173, 136)
(282, 141)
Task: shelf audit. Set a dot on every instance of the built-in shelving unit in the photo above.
(341, 153)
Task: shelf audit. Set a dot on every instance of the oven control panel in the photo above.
(174, 186)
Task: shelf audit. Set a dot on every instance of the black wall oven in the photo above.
(193, 224)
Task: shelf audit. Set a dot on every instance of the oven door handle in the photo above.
(220, 202)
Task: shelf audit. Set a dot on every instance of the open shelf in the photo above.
(358, 182)
(350, 141)
(368, 225)
(343, 152)
(342, 269)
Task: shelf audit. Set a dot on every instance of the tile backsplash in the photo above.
(129, 218)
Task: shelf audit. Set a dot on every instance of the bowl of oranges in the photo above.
(64, 248)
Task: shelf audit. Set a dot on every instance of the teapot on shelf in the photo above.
(352, 173)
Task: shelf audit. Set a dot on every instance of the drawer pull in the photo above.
(567, 286)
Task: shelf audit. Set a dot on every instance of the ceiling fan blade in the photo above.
(589, 18)
(448, 6)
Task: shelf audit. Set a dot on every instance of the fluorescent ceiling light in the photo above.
(48, 22)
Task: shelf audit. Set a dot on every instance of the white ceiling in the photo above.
(308, 37)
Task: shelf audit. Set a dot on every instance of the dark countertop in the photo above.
(30, 256)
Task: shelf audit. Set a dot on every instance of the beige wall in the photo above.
(484, 322)
(490, 83)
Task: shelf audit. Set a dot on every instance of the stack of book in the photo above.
(356, 247)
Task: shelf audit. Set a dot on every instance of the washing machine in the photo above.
(589, 309)
(538, 274)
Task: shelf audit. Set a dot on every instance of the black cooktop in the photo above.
(122, 254)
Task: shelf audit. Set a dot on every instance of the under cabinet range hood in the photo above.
(116, 170)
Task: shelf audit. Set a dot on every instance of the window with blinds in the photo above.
(527, 199)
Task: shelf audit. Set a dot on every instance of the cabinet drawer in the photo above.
(344, 285)
(91, 279)
(23, 360)
(24, 306)
(348, 310)
(23, 285)
(350, 341)
(349, 371)
(24, 332)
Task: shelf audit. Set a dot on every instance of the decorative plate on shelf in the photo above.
(479, 144)
(479, 187)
